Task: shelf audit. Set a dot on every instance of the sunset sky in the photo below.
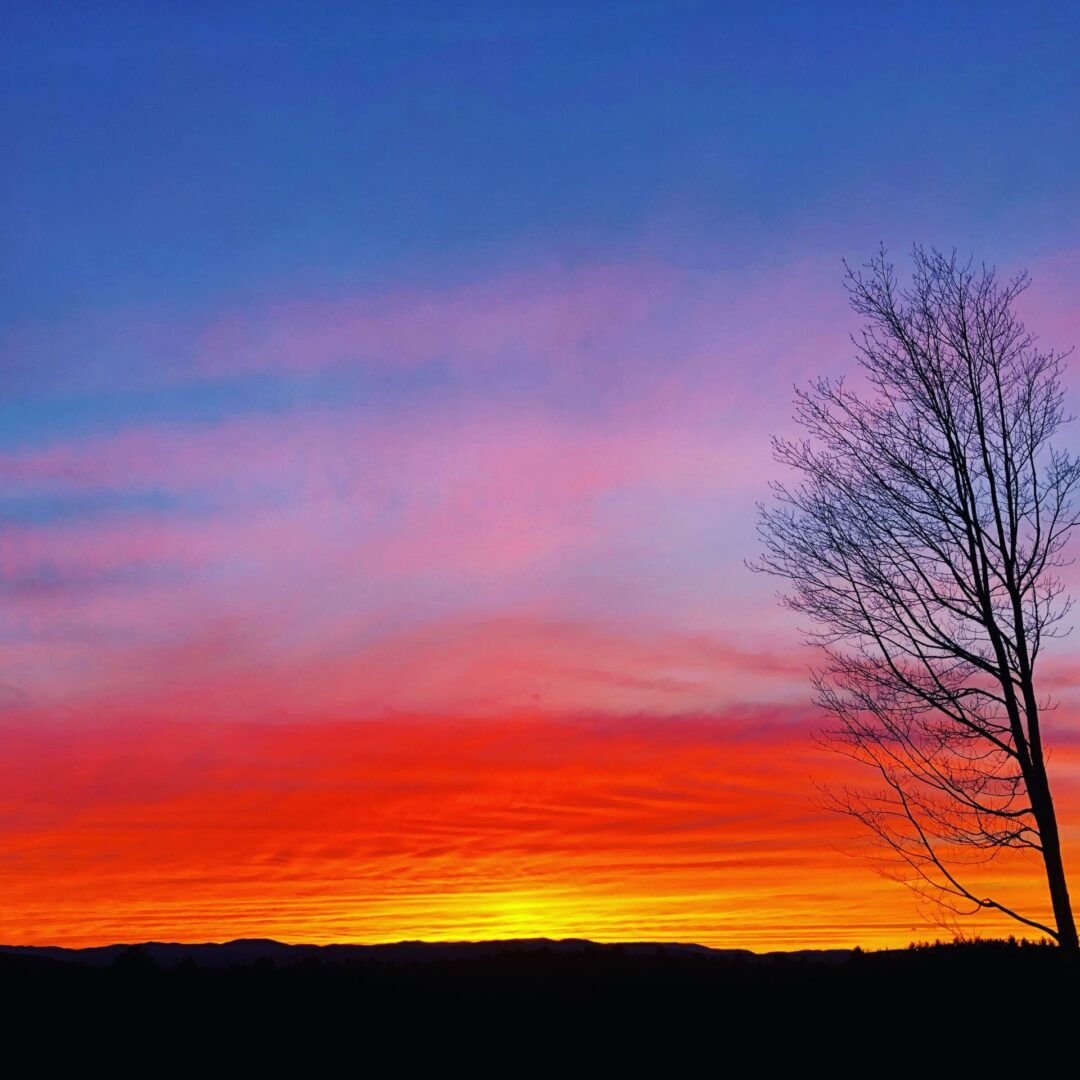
(386, 393)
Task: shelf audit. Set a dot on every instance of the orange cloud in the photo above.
(695, 828)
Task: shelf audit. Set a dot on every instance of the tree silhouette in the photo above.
(922, 537)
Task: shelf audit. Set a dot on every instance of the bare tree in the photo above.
(922, 537)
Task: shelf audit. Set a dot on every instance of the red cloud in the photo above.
(688, 827)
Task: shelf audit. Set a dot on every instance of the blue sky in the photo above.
(162, 153)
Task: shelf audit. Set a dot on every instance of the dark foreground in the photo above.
(565, 981)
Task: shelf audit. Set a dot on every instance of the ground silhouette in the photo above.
(250, 990)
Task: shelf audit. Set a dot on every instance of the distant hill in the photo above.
(168, 954)
(251, 949)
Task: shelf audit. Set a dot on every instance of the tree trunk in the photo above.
(1043, 810)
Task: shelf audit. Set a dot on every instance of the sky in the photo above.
(386, 397)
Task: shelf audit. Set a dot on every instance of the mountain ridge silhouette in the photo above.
(211, 954)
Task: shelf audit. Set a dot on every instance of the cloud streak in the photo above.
(440, 827)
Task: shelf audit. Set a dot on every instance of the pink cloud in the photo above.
(245, 667)
(555, 314)
(355, 551)
(1048, 307)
